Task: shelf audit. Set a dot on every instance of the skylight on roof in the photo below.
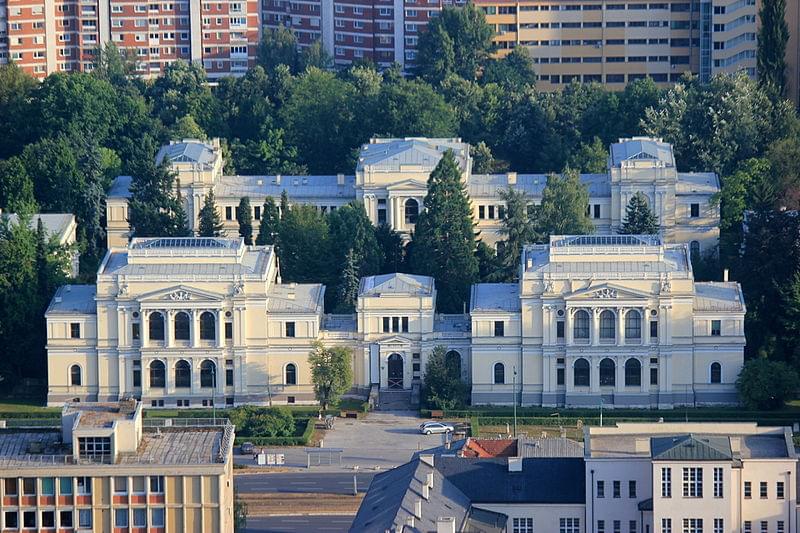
(186, 242)
(608, 240)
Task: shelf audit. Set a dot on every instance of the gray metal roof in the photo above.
(495, 297)
(253, 262)
(605, 240)
(550, 447)
(457, 323)
(54, 223)
(703, 183)
(187, 151)
(691, 448)
(392, 154)
(397, 283)
(73, 300)
(120, 187)
(295, 298)
(718, 296)
(488, 185)
(642, 148)
(295, 186)
(333, 322)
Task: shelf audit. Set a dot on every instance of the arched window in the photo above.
(208, 326)
(581, 328)
(499, 373)
(155, 324)
(633, 324)
(290, 374)
(412, 211)
(208, 374)
(183, 374)
(633, 373)
(694, 249)
(608, 373)
(182, 326)
(607, 328)
(157, 375)
(452, 362)
(716, 373)
(582, 373)
(75, 376)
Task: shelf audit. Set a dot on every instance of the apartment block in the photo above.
(61, 36)
(107, 470)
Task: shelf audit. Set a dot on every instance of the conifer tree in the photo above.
(91, 206)
(210, 221)
(348, 285)
(244, 216)
(284, 203)
(155, 208)
(269, 226)
(563, 209)
(639, 219)
(444, 239)
(518, 229)
(772, 38)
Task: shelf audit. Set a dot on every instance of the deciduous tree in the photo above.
(331, 372)
(563, 209)
(442, 384)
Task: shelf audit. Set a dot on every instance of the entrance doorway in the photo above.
(395, 371)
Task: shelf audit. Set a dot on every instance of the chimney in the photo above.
(725, 275)
(339, 179)
(736, 445)
(515, 464)
(512, 178)
(429, 480)
(278, 179)
(418, 509)
(446, 524)
(528, 262)
(426, 458)
(426, 492)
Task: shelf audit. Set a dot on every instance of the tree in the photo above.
(239, 512)
(591, 158)
(303, 246)
(442, 384)
(518, 229)
(244, 216)
(155, 208)
(114, 65)
(390, 244)
(563, 209)
(278, 47)
(331, 372)
(490, 266)
(58, 181)
(460, 33)
(444, 238)
(765, 384)
(269, 226)
(183, 90)
(16, 187)
(514, 71)
(413, 107)
(314, 55)
(16, 108)
(91, 205)
(483, 162)
(772, 38)
(349, 280)
(210, 224)
(267, 156)
(639, 219)
(187, 128)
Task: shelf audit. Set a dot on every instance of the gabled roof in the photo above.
(295, 298)
(187, 151)
(396, 283)
(495, 297)
(390, 154)
(642, 148)
(691, 448)
(718, 296)
(55, 224)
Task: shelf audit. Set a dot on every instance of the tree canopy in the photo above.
(639, 218)
(331, 372)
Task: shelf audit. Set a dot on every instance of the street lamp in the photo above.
(214, 392)
(514, 387)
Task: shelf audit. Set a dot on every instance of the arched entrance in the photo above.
(395, 371)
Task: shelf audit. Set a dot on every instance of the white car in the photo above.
(435, 427)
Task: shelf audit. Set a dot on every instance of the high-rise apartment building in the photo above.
(62, 36)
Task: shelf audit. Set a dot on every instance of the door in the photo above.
(395, 371)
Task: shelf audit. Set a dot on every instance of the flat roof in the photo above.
(718, 296)
(73, 300)
(101, 414)
(495, 297)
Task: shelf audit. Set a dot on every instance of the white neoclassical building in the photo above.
(391, 181)
(207, 321)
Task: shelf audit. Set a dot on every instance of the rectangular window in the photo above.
(692, 482)
(560, 329)
(748, 527)
(137, 376)
(386, 324)
(694, 210)
(654, 329)
(617, 526)
(499, 328)
(10, 486)
(121, 518)
(156, 484)
(94, 447)
(748, 490)
(228, 212)
(405, 324)
(48, 486)
(779, 528)
(764, 526)
(601, 489)
(229, 377)
(481, 212)
(11, 519)
(779, 491)
(120, 485)
(596, 210)
(719, 525)
(491, 211)
(559, 376)
(617, 489)
(290, 329)
(601, 526)
(136, 331)
(666, 525)
(522, 525)
(157, 517)
(140, 517)
(29, 486)
(75, 330)
(692, 525)
(666, 482)
(632, 526)
(654, 376)
(569, 525)
(257, 212)
(718, 484)
(84, 486)
(762, 490)
(632, 488)
(395, 324)
(48, 519)
(29, 519)
(228, 330)
(138, 485)
(716, 328)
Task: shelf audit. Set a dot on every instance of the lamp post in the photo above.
(514, 387)
(214, 392)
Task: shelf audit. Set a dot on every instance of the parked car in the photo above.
(435, 427)
(247, 448)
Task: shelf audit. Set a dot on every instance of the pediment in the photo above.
(394, 340)
(407, 185)
(181, 293)
(607, 291)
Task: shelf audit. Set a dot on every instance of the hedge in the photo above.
(474, 427)
(302, 440)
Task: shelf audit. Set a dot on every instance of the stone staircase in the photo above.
(394, 400)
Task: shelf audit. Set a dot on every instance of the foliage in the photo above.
(244, 216)
(303, 245)
(591, 158)
(16, 187)
(564, 204)
(351, 234)
(348, 285)
(391, 248)
(442, 384)
(514, 71)
(444, 239)
(269, 226)
(239, 512)
(252, 421)
(518, 229)
(210, 224)
(639, 218)
(773, 35)
(765, 384)
(331, 372)
(155, 208)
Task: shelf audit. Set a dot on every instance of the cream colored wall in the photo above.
(545, 516)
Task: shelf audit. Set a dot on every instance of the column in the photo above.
(595, 327)
(195, 376)
(547, 325)
(645, 326)
(220, 328)
(644, 363)
(594, 379)
(620, 326)
(568, 326)
(145, 376)
(169, 324)
(619, 361)
(220, 362)
(195, 329)
(569, 374)
(169, 378)
(145, 333)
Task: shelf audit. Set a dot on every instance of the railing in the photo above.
(220, 421)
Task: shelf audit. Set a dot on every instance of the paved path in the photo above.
(299, 524)
(329, 483)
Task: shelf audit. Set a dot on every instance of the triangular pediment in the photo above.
(181, 293)
(607, 291)
(396, 340)
(408, 185)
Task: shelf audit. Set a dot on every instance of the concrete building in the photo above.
(46, 37)
(391, 181)
(636, 478)
(106, 470)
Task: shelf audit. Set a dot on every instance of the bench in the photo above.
(348, 414)
(437, 414)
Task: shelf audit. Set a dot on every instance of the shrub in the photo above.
(765, 384)
(251, 421)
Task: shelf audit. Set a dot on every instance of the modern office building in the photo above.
(106, 470)
(632, 478)
(391, 181)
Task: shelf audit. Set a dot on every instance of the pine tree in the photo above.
(444, 241)
(392, 252)
(210, 221)
(155, 208)
(284, 203)
(269, 226)
(639, 219)
(563, 209)
(42, 266)
(91, 207)
(772, 38)
(518, 229)
(244, 215)
(348, 285)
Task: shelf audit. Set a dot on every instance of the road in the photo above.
(330, 483)
(299, 524)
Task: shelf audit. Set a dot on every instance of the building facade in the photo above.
(106, 470)
(391, 181)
